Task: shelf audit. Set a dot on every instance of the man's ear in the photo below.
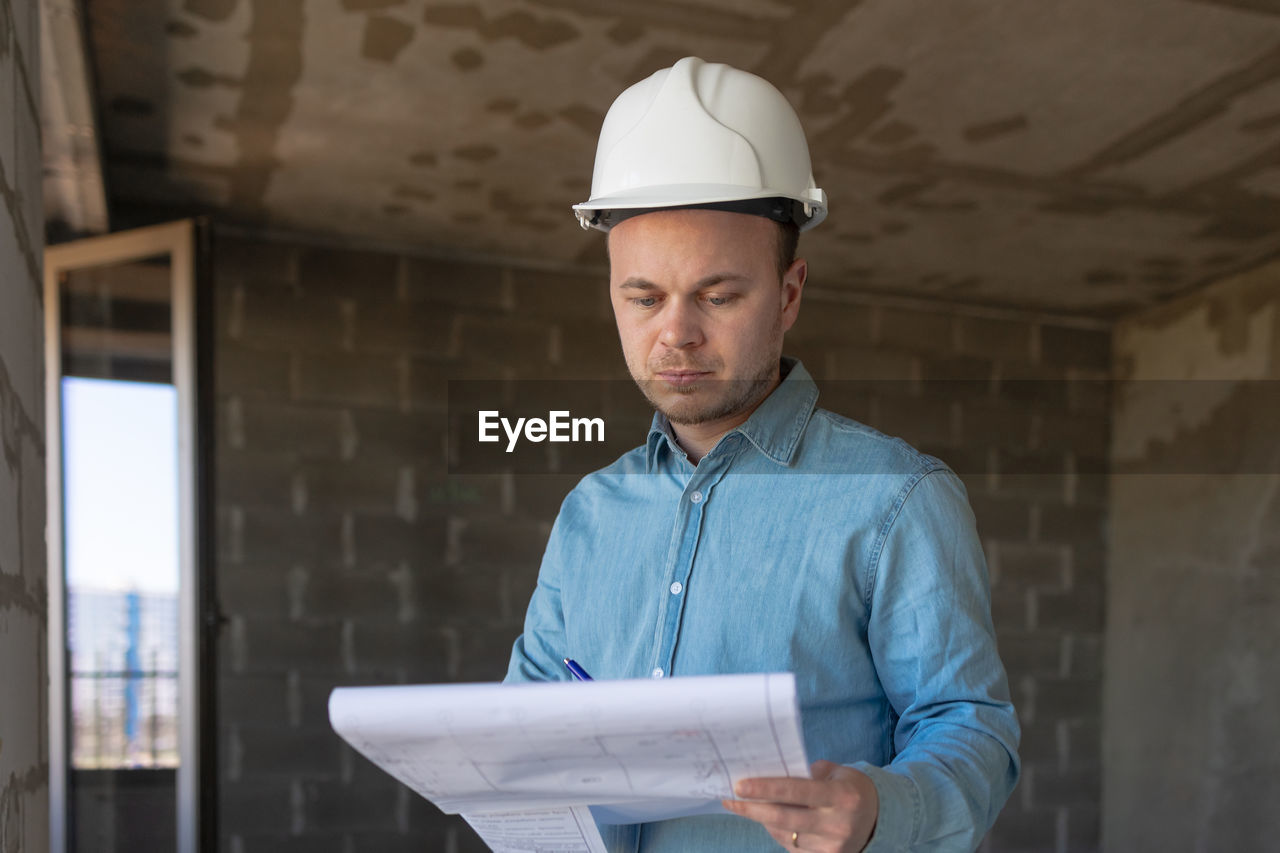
(792, 286)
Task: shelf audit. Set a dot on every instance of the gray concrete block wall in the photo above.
(347, 556)
(24, 743)
(1019, 407)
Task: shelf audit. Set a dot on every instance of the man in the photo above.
(754, 532)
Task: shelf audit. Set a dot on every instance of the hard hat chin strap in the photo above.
(778, 209)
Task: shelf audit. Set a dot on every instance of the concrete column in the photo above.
(1191, 733)
(24, 746)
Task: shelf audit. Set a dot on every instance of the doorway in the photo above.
(130, 720)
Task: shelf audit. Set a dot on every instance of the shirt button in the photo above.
(676, 588)
(657, 672)
(696, 497)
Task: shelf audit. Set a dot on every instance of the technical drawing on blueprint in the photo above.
(635, 750)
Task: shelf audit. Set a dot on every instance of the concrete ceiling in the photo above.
(1090, 157)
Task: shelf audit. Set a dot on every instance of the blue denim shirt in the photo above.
(802, 542)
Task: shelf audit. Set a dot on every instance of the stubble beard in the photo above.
(734, 395)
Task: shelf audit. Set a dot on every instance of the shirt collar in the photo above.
(774, 427)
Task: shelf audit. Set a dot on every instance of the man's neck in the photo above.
(696, 440)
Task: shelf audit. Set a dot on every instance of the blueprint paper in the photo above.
(639, 749)
(546, 831)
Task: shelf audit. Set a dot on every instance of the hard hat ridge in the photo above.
(655, 150)
(702, 135)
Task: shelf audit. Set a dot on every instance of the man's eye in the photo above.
(645, 301)
(719, 300)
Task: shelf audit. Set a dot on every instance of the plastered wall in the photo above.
(1192, 737)
(24, 763)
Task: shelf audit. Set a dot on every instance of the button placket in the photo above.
(683, 553)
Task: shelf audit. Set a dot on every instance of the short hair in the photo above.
(788, 240)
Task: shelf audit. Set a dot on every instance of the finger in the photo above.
(780, 817)
(783, 837)
(798, 792)
(826, 771)
(818, 829)
(806, 839)
(823, 769)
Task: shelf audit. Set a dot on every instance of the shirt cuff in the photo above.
(898, 817)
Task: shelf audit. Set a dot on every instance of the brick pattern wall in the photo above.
(24, 744)
(1020, 408)
(348, 555)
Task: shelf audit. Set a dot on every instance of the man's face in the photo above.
(701, 311)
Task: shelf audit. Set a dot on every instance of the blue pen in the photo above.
(578, 672)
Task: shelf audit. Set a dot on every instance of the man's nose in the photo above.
(681, 327)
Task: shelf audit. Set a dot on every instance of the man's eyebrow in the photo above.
(717, 278)
(635, 283)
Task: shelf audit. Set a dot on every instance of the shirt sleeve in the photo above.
(931, 637)
(537, 654)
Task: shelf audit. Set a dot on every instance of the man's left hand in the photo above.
(834, 812)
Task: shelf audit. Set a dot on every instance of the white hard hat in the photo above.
(702, 134)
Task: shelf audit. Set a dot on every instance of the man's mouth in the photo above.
(682, 377)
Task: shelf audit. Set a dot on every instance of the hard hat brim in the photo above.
(690, 195)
